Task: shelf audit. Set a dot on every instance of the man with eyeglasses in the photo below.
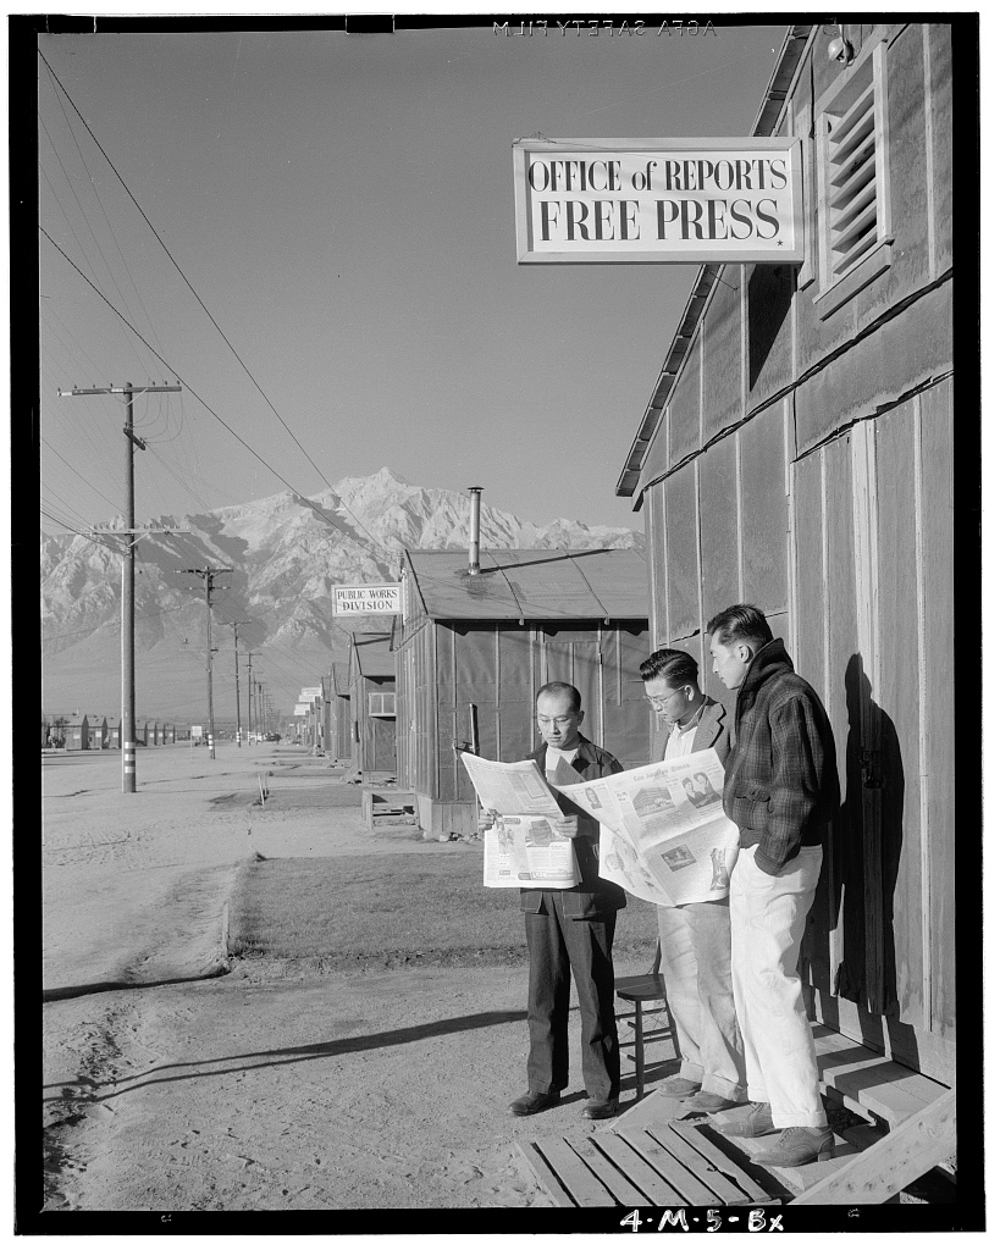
(695, 944)
(570, 931)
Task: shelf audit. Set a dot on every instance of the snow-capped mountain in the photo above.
(285, 553)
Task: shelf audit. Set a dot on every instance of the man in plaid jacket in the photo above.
(781, 791)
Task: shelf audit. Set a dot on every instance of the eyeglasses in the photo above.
(659, 702)
(560, 722)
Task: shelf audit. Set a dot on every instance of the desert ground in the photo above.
(177, 1081)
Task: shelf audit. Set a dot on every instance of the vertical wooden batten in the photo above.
(865, 496)
(925, 875)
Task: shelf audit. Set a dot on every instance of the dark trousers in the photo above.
(558, 943)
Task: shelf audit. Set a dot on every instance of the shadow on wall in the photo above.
(861, 865)
(769, 299)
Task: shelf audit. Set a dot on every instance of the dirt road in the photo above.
(261, 1090)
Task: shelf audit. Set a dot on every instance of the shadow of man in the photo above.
(866, 858)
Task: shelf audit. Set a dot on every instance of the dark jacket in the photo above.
(782, 788)
(593, 896)
(713, 731)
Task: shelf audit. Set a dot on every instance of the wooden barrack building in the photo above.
(474, 648)
(797, 453)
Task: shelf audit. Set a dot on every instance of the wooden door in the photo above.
(873, 539)
(575, 657)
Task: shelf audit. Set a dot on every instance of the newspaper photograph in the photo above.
(522, 849)
(664, 835)
(525, 851)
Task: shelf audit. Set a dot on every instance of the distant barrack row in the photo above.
(99, 733)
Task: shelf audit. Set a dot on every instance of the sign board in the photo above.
(310, 692)
(301, 709)
(196, 731)
(658, 201)
(360, 600)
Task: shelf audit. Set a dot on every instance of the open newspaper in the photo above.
(522, 849)
(664, 835)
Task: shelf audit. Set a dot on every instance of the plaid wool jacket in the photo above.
(782, 788)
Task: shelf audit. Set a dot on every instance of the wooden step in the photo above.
(387, 805)
(870, 1083)
(904, 1155)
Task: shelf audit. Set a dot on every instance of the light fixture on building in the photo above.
(840, 49)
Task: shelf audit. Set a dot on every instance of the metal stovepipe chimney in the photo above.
(474, 493)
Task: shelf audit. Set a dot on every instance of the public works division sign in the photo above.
(666, 201)
(359, 600)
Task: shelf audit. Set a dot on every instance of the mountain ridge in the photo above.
(285, 553)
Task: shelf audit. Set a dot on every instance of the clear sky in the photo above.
(344, 206)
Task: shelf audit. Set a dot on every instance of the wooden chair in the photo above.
(640, 990)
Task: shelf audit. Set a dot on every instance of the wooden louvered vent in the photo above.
(853, 195)
(854, 202)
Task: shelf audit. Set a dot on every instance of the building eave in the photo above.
(785, 71)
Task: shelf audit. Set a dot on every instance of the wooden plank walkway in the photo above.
(652, 1158)
(663, 1164)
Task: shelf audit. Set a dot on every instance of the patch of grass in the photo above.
(353, 911)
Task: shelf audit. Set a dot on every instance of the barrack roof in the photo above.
(553, 584)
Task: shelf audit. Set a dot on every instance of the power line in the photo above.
(129, 345)
(209, 573)
(182, 274)
(107, 222)
(77, 472)
(201, 302)
(47, 308)
(71, 510)
(208, 408)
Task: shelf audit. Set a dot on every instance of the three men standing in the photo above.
(730, 971)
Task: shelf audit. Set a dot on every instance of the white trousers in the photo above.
(696, 963)
(768, 918)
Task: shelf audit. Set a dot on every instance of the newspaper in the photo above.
(664, 835)
(522, 849)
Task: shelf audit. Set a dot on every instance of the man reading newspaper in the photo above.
(572, 929)
(695, 943)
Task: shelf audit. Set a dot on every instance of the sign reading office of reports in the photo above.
(659, 201)
(356, 600)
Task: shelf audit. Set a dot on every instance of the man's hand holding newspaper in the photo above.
(527, 839)
(664, 835)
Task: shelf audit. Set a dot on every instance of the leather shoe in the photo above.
(797, 1146)
(752, 1121)
(600, 1108)
(709, 1104)
(679, 1087)
(531, 1104)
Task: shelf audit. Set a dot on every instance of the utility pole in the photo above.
(209, 574)
(250, 656)
(128, 568)
(236, 659)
